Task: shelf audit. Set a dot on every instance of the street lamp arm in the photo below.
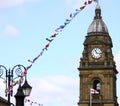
(9, 77)
(18, 69)
(2, 69)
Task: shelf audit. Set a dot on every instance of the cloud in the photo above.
(117, 60)
(2, 89)
(13, 3)
(52, 90)
(9, 30)
(10, 3)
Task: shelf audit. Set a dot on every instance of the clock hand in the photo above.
(97, 52)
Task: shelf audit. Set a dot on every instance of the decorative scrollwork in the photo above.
(2, 69)
(18, 69)
(9, 76)
(1, 72)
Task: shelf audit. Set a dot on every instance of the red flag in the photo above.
(85, 3)
(71, 15)
(47, 46)
(28, 100)
(24, 73)
(89, 2)
(93, 91)
(54, 35)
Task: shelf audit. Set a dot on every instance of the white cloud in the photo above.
(61, 90)
(10, 3)
(9, 30)
(117, 60)
(13, 3)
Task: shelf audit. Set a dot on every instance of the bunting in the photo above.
(32, 102)
(49, 40)
(61, 27)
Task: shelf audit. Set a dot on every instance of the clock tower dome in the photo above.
(97, 67)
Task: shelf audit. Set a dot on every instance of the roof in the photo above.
(3, 100)
(97, 26)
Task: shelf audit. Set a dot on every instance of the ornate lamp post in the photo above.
(9, 78)
(22, 92)
(19, 97)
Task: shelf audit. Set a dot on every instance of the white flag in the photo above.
(93, 91)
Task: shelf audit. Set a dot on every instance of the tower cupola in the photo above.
(97, 26)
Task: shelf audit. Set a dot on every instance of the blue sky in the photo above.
(24, 27)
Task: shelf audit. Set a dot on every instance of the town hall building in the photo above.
(97, 69)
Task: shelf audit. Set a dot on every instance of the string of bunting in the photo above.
(32, 102)
(49, 39)
(60, 28)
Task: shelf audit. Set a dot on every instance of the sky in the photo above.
(24, 27)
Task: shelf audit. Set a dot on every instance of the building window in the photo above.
(96, 85)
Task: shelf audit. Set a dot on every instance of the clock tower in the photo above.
(97, 68)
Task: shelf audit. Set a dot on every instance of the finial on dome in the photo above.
(97, 1)
(98, 5)
(97, 26)
(98, 11)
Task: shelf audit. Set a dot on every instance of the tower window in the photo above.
(96, 85)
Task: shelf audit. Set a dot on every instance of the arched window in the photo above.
(96, 85)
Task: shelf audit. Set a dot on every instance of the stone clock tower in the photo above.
(97, 68)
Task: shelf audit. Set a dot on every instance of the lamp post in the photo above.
(19, 97)
(22, 92)
(9, 78)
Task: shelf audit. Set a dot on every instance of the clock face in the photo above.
(96, 53)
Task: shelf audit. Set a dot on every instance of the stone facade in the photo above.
(97, 67)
